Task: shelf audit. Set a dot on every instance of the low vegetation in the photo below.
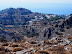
(17, 49)
(58, 33)
(14, 45)
(43, 52)
(5, 44)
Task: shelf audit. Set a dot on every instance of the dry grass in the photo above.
(23, 41)
(70, 38)
(33, 42)
(3, 40)
(2, 48)
(47, 42)
(64, 52)
(42, 52)
(54, 52)
(21, 45)
(58, 48)
(5, 44)
(71, 49)
(17, 49)
(55, 43)
(2, 52)
(14, 45)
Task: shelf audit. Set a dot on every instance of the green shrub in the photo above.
(58, 33)
(33, 34)
(56, 25)
(68, 27)
(62, 30)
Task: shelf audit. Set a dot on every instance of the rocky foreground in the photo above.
(56, 45)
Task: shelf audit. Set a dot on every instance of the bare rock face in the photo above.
(69, 20)
(66, 23)
(45, 34)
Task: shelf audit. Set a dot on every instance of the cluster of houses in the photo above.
(50, 16)
(35, 23)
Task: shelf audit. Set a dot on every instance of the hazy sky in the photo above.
(35, 4)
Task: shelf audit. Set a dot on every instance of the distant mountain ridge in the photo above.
(17, 16)
(11, 11)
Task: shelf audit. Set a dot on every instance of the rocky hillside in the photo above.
(20, 22)
(58, 29)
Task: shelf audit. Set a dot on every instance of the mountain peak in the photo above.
(22, 11)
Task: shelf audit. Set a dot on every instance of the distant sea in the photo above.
(58, 11)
